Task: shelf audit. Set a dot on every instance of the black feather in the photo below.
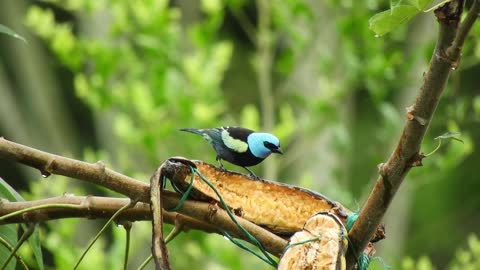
(214, 137)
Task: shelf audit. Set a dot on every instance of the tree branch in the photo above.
(463, 30)
(92, 207)
(407, 153)
(96, 173)
(159, 247)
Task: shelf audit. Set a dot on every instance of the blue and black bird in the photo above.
(239, 146)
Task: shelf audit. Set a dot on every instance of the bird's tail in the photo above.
(193, 130)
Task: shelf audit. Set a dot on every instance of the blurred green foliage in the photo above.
(145, 68)
(468, 258)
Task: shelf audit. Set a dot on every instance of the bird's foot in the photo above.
(222, 168)
(220, 165)
(251, 174)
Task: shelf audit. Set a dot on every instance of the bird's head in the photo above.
(263, 144)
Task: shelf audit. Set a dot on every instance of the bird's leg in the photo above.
(220, 163)
(252, 174)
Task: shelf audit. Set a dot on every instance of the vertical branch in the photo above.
(264, 74)
(159, 248)
(407, 154)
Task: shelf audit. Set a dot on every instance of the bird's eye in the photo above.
(270, 145)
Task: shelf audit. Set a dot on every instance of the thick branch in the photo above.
(92, 207)
(407, 153)
(96, 173)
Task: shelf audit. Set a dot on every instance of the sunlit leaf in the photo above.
(6, 30)
(384, 22)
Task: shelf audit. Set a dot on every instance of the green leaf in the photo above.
(34, 242)
(384, 22)
(8, 232)
(436, 6)
(420, 4)
(449, 135)
(6, 30)
(7, 192)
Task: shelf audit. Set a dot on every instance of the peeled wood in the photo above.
(326, 253)
(281, 208)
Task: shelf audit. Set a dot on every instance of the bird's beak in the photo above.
(278, 151)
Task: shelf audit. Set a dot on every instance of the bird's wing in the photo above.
(212, 135)
(235, 138)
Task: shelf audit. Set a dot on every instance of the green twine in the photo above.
(363, 261)
(244, 247)
(266, 257)
(301, 243)
(351, 219)
(185, 194)
(384, 264)
(164, 182)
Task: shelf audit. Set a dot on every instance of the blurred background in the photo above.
(115, 80)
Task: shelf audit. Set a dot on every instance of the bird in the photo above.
(239, 146)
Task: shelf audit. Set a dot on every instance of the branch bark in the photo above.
(98, 174)
(95, 173)
(407, 154)
(159, 247)
(93, 207)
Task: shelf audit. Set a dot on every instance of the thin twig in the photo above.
(23, 238)
(145, 262)
(177, 229)
(245, 24)
(34, 208)
(126, 206)
(463, 30)
(9, 247)
(128, 229)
